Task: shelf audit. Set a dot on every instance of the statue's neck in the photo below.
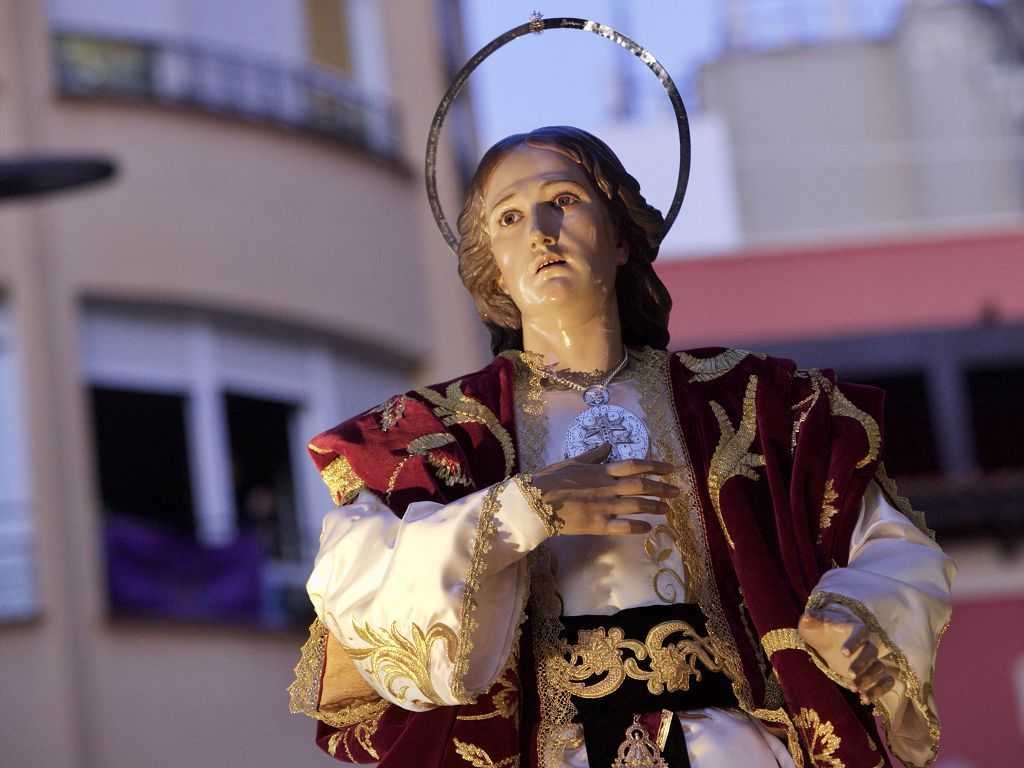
(595, 344)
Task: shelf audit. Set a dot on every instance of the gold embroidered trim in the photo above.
(672, 665)
(552, 522)
(478, 757)
(421, 445)
(557, 733)
(393, 656)
(732, 456)
(486, 530)
(828, 508)
(708, 368)
(341, 480)
(658, 556)
(790, 639)
(901, 503)
(455, 407)
(685, 518)
(782, 640)
(391, 411)
(917, 693)
(821, 738)
(780, 716)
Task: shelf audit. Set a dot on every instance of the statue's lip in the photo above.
(547, 261)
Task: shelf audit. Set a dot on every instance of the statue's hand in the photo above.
(846, 645)
(591, 497)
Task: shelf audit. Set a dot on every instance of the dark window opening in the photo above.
(262, 473)
(909, 448)
(142, 451)
(997, 416)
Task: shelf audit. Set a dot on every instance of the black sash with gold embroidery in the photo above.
(636, 662)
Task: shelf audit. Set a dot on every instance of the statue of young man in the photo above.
(593, 552)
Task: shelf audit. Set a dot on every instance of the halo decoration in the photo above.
(536, 26)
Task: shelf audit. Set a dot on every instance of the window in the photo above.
(909, 448)
(211, 507)
(142, 456)
(18, 596)
(997, 415)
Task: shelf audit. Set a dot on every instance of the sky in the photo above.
(565, 77)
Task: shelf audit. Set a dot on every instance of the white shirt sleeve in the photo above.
(428, 607)
(898, 582)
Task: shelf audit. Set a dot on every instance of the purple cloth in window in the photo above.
(159, 573)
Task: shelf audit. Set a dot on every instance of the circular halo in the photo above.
(536, 26)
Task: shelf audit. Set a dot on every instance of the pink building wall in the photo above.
(805, 292)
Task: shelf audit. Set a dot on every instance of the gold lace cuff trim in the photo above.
(304, 692)
(486, 530)
(789, 640)
(901, 503)
(552, 522)
(917, 693)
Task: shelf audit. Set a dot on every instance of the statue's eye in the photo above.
(508, 218)
(563, 199)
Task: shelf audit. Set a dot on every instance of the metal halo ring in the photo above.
(535, 27)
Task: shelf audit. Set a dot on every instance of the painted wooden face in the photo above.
(552, 238)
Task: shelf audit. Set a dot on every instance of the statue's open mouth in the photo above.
(550, 264)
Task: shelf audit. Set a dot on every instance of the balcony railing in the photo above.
(219, 82)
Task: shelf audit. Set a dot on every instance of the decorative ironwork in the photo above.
(226, 83)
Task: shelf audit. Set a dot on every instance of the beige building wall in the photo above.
(224, 216)
(913, 132)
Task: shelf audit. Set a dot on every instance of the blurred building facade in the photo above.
(169, 342)
(880, 201)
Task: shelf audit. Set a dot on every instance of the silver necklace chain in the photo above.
(601, 422)
(547, 373)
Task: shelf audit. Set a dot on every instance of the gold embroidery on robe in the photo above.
(672, 665)
(732, 456)
(341, 480)
(391, 411)
(364, 731)
(839, 405)
(708, 368)
(447, 468)
(828, 508)
(393, 656)
(455, 407)
(478, 757)
(665, 578)
(504, 694)
(821, 739)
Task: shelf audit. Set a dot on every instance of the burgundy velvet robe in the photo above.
(781, 458)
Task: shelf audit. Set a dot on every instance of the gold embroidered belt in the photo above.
(638, 662)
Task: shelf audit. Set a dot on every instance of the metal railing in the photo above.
(203, 77)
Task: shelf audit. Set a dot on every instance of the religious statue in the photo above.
(596, 552)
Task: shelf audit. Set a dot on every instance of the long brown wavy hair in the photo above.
(644, 302)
